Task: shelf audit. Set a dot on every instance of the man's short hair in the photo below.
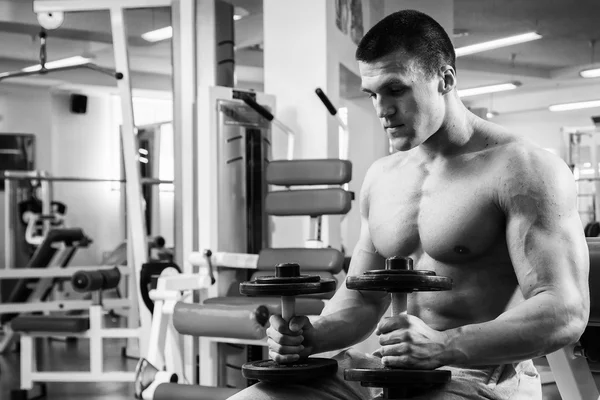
(412, 31)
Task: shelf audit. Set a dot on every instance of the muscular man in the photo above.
(469, 200)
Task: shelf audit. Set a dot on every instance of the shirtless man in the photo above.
(464, 198)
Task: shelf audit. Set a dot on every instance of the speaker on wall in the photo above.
(78, 104)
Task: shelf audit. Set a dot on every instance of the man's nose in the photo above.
(384, 108)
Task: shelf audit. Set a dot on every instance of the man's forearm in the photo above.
(538, 326)
(346, 320)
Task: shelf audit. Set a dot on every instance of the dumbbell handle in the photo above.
(399, 303)
(288, 308)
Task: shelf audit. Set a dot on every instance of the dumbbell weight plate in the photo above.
(273, 372)
(396, 377)
(286, 288)
(399, 281)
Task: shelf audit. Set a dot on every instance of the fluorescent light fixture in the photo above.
(63, 62)
(590, 73)
(495, 44)
(158, 34)
(575, 106)
(239, 13)
(491, 114)
(488, 89)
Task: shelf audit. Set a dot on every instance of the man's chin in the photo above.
(402, 144)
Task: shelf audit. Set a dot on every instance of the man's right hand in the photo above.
(289, 342)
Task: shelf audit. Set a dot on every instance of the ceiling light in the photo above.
(491, 114)
(488, 89)
(575, 106)
(495, 44)
(239, 13)
(590, 73)
(158, 34)
(63, 62)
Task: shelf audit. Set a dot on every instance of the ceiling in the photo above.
(568, 27)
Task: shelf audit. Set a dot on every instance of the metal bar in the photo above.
(103, 333)
(9, 175)
(184, 55)
(135, 213)
(40, 6)
(77, 376)
(44, 71)
(95, 344)
(46, 188)
(67, 272)
(28, 364)
(572, 374)
(10, 225)
(227, 260)
(8, 308)
(181, 282)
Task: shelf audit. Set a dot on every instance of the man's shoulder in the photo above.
(524, 167)
(522, 158)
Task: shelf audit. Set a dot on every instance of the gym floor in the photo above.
(69, 356)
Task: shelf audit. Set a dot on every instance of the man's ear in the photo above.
(448, 79)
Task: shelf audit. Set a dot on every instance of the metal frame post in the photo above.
(184, 136)
(572, 374)
(135, 212)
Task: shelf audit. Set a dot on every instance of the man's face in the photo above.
(407, 101)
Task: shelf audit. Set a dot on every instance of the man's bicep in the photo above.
(544, 234)
(548, 257)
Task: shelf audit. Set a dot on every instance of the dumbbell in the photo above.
(288, 283)
(398, 278)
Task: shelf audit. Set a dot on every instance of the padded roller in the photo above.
(48, 323)
(312, 202)
(101, 279)
(66, 235)
(304, 306)
(171, 391)
(309, 172)
(311, 260)
(215, 320)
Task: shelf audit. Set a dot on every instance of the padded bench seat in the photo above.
(49, 323)
(170, 391)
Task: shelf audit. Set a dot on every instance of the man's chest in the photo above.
(451, 217)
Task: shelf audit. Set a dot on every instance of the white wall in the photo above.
(87, 145)
(544, 127)
(80, 145)
(368, 142)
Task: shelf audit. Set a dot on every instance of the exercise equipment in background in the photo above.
(90, 327)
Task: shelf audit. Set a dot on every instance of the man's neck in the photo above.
(455, 133)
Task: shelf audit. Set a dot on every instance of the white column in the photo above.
(206, 158)
(299, 56)
(185, 75)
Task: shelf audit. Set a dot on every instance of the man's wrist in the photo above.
(453, 353)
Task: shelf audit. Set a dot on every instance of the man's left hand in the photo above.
(407, 342)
